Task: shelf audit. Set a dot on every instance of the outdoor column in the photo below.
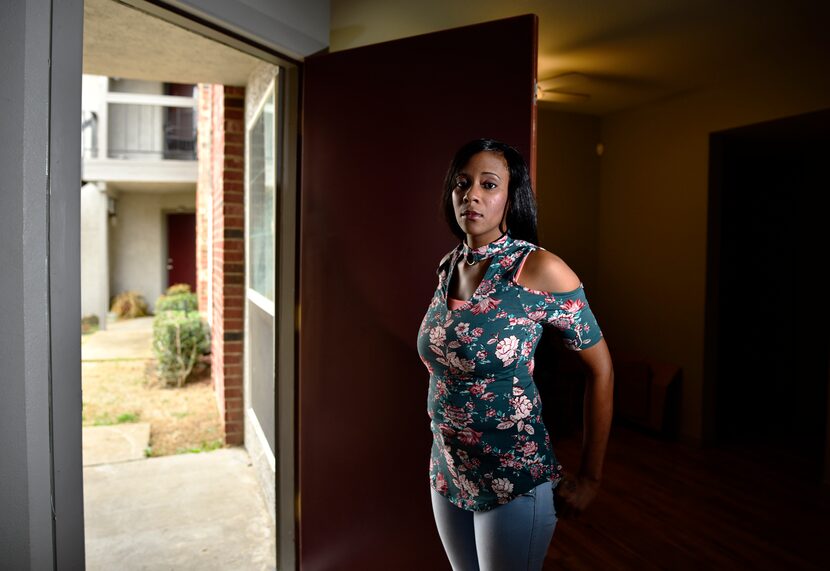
(94, 253)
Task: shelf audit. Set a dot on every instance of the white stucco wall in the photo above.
(94, 253)
(138, 241)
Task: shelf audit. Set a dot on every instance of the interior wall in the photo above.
(567, 189)
(653, 215)
(139, 241)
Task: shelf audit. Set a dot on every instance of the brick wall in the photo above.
(222, 117)
(204, 198)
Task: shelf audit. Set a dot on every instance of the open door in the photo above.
(380, 125)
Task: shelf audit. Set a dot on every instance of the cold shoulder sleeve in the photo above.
(569, 312)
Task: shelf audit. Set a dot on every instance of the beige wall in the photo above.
(139, 240)
(567, 189)
(652, 216)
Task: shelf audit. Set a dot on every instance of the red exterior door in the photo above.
(181, 250)
(380, 125)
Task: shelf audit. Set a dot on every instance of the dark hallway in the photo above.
(752, 497)
(772, 339)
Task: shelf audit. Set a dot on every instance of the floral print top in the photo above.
(490, 444)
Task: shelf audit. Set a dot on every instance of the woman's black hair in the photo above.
(521, 202)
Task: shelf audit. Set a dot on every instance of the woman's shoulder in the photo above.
(545, 271)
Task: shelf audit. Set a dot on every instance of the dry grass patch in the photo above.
(181, 419)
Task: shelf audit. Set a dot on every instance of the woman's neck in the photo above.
(482, 240)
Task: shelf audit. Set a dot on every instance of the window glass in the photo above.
(262, 189)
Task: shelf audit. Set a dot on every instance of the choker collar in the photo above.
(474, 255)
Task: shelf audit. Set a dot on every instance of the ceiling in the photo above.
(627, 52)
(623, 53)
(120, 41)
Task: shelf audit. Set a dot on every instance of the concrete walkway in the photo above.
(126, 339)
(115, 443)
(189, 511)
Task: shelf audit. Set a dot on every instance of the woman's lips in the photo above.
(471, 215)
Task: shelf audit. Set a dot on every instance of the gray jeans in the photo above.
(511, 537)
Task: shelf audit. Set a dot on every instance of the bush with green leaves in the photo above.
(179, 339)
(184, 301)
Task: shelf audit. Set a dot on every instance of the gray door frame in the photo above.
(41, 495)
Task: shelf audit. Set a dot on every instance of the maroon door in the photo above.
(181, 250)
(380, 125)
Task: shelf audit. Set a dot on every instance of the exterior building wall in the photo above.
(135, 131)
(94, 111)
(204, 204)
(139, 241)
(222, 123)
(95, 287)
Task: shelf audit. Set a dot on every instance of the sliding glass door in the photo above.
(261, 286)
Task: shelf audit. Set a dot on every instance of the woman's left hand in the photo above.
(574, 494)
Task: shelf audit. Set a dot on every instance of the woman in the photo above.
(492, 468)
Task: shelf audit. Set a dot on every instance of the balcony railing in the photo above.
(89, 134)
(155, 127)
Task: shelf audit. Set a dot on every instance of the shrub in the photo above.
(177, 302)
(89, 324)
(179, 338)
(129, 304)
(176, 289)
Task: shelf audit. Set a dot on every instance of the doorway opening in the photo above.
(767, 343)
(174, 142)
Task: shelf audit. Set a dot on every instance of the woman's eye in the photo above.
(489, 185)
(461, 183)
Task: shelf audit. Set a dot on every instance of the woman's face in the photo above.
(479, 197)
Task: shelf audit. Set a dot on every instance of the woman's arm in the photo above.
(598, 410)
(545, 271)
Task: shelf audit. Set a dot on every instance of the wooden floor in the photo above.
(668, 505)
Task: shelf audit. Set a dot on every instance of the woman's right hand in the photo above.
(573, 495)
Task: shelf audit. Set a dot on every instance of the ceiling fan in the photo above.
(565, 88)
